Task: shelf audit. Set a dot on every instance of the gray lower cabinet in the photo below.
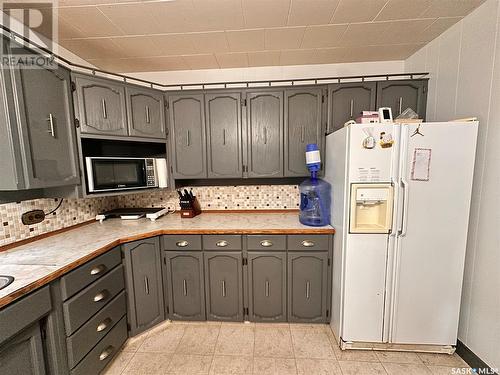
(143, 280)
(183, 275)
(224, 285)
(402, 94)
(267, 286)
(265, 133)
(146, 114)
(307, 286)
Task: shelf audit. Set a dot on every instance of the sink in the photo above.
(5, 281)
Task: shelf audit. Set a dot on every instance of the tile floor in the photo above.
(263, 349)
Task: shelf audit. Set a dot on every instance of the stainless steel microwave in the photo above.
(115, 174)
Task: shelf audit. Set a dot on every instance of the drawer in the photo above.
(181, 242)
(83, 340)
(305, 242)
(263, 242)
(104, 351)
(91, 271)
(79, 308)
(222, 242)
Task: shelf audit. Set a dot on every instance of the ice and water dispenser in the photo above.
(371, 208)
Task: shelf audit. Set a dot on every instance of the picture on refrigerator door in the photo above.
(421, 164)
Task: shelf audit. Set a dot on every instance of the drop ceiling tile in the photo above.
(132, 19)
(307, 12)
(211, 42)
(173, 44)
(154, 64)
(232, 60)
(403, 9)
(137, 46)
(211, 15)
(201, 61)
(298, 57)
(90, 21)
(263, 58)
(172, 16)
(284, 38)
(381, 53)
(246, 40)
(331, 55)
(363, 34)
(406, 31)
(93, 48)
(68, 31)
(265, 13)
(437, 28)
(357, 10)
(323, 36)
(451, 8)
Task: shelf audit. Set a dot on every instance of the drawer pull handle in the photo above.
(223, 288)
(222, 243)
(307, 243)
(308, 289)
(100, 296)
(98, 269)
(106, 353)
(104, 324)
(182, 243)
(267, 288)
(146, 285)
(266, 243)
(184, 287)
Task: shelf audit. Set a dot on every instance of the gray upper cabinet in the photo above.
(145, 110)
(265, 133)
(187, 122)
(144, 284)
(223, 122)
(303, 125)
(347, 100)
(101, 105)
(401, 94)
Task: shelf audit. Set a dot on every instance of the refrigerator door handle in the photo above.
(394, 229)
(404, 214)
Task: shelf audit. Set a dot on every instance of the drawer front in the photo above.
(83, 340)
(304, 242)
(79, 308)
(103, 352)
(181, 242)
(91, 271)
(222, 242)
(263, 242)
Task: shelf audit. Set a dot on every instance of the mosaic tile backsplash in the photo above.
(75, 211)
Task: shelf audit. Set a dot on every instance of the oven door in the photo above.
(107, 174)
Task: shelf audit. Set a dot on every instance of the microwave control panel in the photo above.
(150, 173)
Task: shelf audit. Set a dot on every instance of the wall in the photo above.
(464, 63)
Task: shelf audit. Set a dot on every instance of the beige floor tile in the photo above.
(309, 327)
(183, 364)
(272, 325)
(273, 342)
(311, 344)
(165, 340)
(398, 357)
(148, 364)
(406, 369)
(196, 323)
(434, 359)
(274, 366)
(358, 355)
(133, 343)
(361, 368)
(118, 364)
(235, 340)
(231, 365)
(334, 343)
(306, 366)
(199, 340)
(443, 370)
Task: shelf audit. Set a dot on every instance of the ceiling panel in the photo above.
(364, 34)
(136, 46)
(357, 10)
(403, 9)
(232, 60)
(263, 58)
(210, 42)
(323, 36)
(436, 28)
(450, 8)
(94, 48)
(156, 63)
(265, 13)
(405, 31)
(174, 44)
(284, 38)
(298, 57)
(201, 61)
(307, 12)
(132, 19)
(90, 20)
(246, 40)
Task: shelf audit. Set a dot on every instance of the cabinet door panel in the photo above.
(187, 121)
(145, 113)
(223, 284)
(399, 95)
(267, 286)
(265, 134)
(223, 118)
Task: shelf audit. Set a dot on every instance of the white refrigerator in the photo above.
(400, 208)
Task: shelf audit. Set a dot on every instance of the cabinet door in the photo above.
(24, 353)
(223, 118)
(184, 282)
(187, 123)
(46, 127)
(399, 95)
(302, 126)
(144, 284)
(347, 100)
(101, 105)
(307, 286)
(267, 286)
(265, 134)
(223, 285)
(145, 109)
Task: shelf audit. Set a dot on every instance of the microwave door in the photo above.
(118, 174)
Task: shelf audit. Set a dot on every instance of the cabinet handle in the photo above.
(302, 131)
(146, 285)
(400, 104)
(104, 111)
(307, 243)
(266, 243)
(267, 288)
(106, 353)
(98, 269)
(148, 120)
(101, 295)
(222, 243)
(104, 324)
(351, 108)
(308, 289)
(224, 137)
(184, 287)
(188, 137)
(182, 243)
(223, 288)
(51, 125)
(265, 136)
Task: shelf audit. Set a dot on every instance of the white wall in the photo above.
(464, 63)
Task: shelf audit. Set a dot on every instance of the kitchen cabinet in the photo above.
(267, 286)
(223, 122)
(347, 100)
(143, 278)
(145, 112)
(264, 116)
(303, 125)
(101, 105)
(401, 94)
(223, 285)
(188, 141)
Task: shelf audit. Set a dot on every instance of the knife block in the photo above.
(190, 209)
